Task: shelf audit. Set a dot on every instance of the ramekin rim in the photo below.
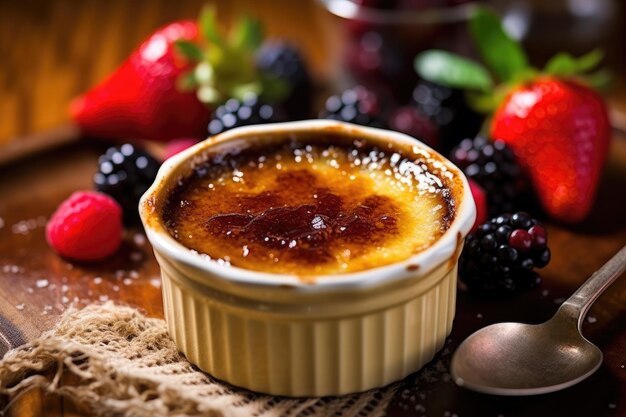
(440, 251)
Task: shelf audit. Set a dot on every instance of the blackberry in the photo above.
(125, 173)
(499, 258)
(449, 110)
(494, 167)
(355, 105)
(280, 61)
(250, 111)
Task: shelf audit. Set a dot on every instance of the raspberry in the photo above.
(178, 145)
(499, 257)
(481, 203)
(86, 227)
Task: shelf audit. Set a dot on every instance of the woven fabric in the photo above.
(125, 364)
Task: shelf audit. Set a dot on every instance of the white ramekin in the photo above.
(281, 335)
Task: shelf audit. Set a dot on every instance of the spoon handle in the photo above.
(578, 304)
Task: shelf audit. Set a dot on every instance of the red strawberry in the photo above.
(140, 99)
(166, 87)
(556, 126)
(560, 133)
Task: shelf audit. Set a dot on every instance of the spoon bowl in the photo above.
(527, 359)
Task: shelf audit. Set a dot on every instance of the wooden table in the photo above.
(36, 285)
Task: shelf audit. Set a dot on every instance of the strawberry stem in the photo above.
(225, 63)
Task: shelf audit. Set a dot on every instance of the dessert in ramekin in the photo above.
(308, 258)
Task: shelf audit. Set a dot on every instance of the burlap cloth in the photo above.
(127, 365)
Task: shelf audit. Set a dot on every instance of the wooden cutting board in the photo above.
(36, 286)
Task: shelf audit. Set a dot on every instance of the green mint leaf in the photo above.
(589, 61)
(562, 64)
(248, 34)
(500, 52)
(452, 70)
(208, 25)
(189, 50)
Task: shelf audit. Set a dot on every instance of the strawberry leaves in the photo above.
(506, 62)
(565, 65)
(224, 63)
(500, 52)
(452, 70)
(189, 50)
(247, 35)
(208, 25)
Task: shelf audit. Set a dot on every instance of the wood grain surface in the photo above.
(52, 51)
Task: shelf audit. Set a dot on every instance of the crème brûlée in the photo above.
(314, 208)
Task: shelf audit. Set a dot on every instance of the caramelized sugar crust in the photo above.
(309, 209)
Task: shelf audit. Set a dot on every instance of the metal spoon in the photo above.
(524, 359)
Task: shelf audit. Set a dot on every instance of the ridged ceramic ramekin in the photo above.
(279, 334)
